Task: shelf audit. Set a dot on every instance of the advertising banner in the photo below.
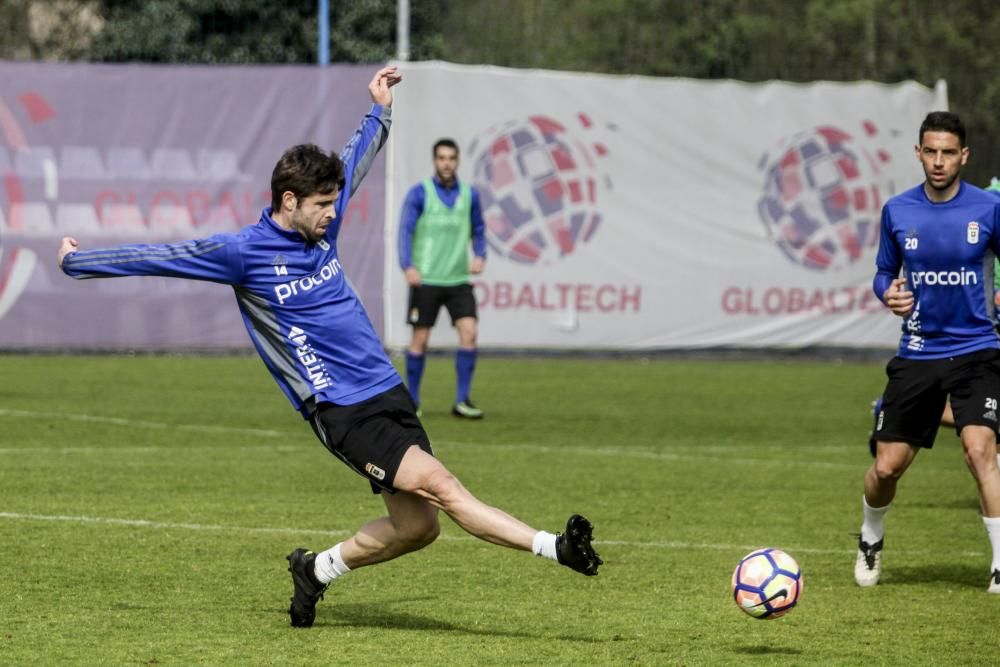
(635, 213)
(113, 154)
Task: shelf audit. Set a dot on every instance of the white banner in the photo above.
(632, 212)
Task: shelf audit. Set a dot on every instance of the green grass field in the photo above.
(148, 504)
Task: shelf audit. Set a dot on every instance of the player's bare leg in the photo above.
(891, 461)
(979, 443)
(412, 524)
(425, 486)
(948, 419)
(424, 475)
(947, 416)
(419, 340)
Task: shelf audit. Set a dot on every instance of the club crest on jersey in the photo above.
(972, 232)
(280, 265)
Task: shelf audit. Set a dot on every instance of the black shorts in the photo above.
(426, 301)
(917, 390)
(372, 436)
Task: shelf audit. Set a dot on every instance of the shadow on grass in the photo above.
(767, 650)
(969, 503)
(376, 615)
(969, 575)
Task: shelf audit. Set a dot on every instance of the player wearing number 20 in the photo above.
(943, 235)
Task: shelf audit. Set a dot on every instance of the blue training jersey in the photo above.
(946, 251)
(302, 314)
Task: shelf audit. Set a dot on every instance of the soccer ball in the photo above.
(767, 583)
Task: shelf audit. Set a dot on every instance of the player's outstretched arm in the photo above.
(381, 84)
(215, 259)
(359, 153)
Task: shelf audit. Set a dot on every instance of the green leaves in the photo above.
(748, 40)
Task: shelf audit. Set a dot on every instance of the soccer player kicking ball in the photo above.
(315, 338)
(944, 233)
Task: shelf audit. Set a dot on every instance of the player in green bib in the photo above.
(440, 217)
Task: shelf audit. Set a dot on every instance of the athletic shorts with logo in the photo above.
(915, 396)
(426, 301)
(371, 437)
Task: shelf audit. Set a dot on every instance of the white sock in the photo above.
(873, 528)
(329, 565)
(544, 545)
(993, 530)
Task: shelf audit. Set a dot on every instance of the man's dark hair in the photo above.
(447, 143)
(942, 121)
(305, 170)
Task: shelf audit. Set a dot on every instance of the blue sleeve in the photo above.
(215, 259)
(359, 155)
(888, 262)
(478, 227)
(413, 207)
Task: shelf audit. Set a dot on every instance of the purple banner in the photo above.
(113, 154)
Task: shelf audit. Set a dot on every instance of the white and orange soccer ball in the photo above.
(767, 583)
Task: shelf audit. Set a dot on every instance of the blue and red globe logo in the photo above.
(539, 187)
(823, 193)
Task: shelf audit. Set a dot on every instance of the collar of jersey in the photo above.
(290, 234)
(958, 194)
(437, 182)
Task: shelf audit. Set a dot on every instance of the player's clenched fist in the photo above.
(69, 245)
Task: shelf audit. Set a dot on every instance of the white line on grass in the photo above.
(653, 455)
(152, 449)
(268, 433)
(117, 421)
(165, 525)
(584, 451)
